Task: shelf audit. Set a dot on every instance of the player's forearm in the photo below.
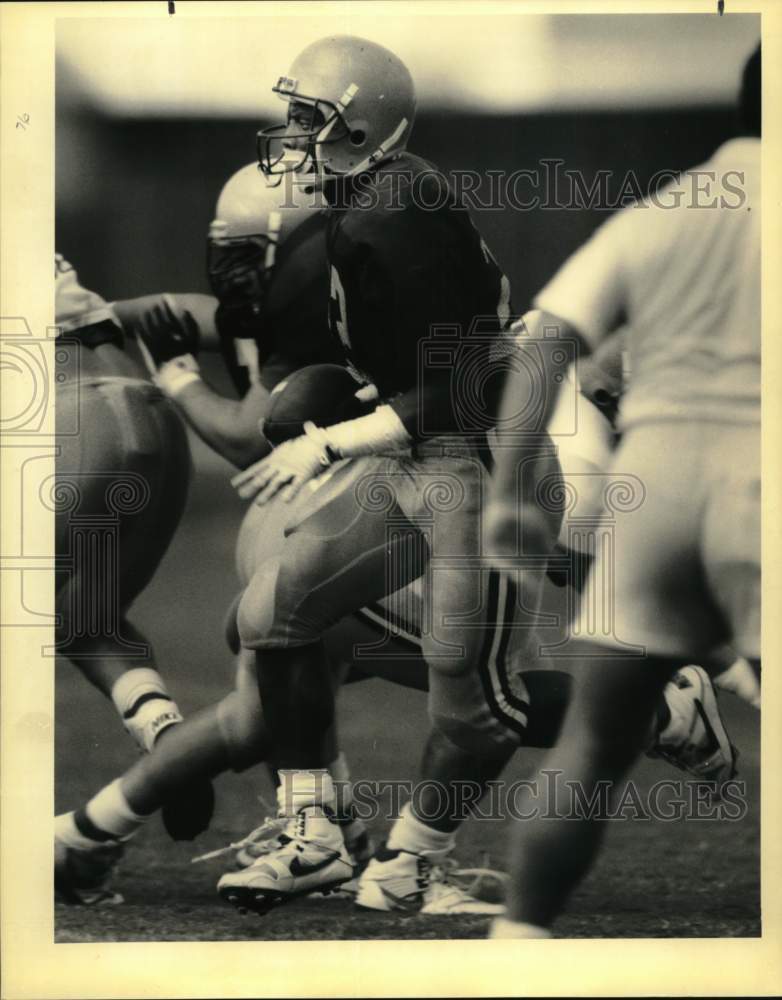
(228, 426)
(545, 345)
(203, 309)
(427, 409)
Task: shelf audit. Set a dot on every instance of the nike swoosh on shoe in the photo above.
(298, 868)
(411, 904)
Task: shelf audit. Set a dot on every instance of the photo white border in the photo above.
(33, 965)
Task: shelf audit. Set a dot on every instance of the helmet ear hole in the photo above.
(358, 137)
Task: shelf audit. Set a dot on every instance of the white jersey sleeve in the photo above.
(75, 306)
(589, 290)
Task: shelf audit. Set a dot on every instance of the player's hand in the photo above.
(163, 326)
(292, 464)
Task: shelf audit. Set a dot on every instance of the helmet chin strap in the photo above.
(273, 233)
(385, 146)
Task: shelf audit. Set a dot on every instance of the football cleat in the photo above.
(271, 834)
(80, 876)
(310, 857)
(695, 740)
(357, 841)
(403, 882)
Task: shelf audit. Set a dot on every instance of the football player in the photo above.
(264, 329)
(687, 576)
(125, 464)
(395, 494)
(398, 492)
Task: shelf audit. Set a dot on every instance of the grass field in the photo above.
(695, 878)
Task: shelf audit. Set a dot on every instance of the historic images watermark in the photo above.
(548, 797)
(547, 186)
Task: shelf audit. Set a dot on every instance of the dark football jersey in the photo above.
(293, 330)
(415, 293)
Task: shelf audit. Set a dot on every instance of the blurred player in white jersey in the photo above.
(686, 282)
(592, 392)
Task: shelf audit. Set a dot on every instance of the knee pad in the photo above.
(274, 616)
(255, 609)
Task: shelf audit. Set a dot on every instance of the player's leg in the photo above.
(584, 448)
(230, 734)
(737, 674)
(333, 559)
(599, 744)
(655, 599)
(479, 714)
(125, 474)
(731, 555)
(480, 717)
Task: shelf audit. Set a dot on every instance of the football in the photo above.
(324, 394)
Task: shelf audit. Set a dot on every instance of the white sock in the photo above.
(343, 789)
(144, 705)
(311, 793)
(135, 684)
(502, 927)
(66, 831)
(110, 812)
(299, 789)
(409, 834)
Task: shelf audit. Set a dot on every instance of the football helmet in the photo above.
(253, 220)
(360, 100)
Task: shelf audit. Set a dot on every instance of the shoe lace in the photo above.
(447, 872)
(269, 830)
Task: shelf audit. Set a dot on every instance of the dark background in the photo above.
(135, 196)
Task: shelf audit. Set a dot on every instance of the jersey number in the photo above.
(338, 311)
(247, 357)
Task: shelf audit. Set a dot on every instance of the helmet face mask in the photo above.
(351, 103)
(294, 147)
(253, 221)
(239, 270)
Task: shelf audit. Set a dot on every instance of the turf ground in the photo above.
(695, 878)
